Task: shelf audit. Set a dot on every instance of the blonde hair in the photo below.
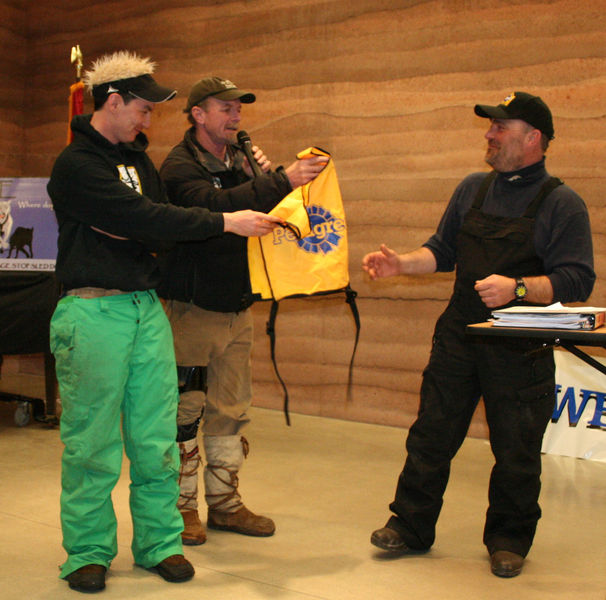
(116, 66)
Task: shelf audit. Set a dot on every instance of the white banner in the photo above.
(578, 423)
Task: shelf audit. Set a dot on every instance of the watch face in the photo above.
(520, 290)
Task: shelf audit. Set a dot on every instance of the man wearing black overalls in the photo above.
(515, 235)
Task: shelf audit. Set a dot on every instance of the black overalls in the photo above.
(515, 378)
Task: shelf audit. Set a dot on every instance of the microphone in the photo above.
(246, 145)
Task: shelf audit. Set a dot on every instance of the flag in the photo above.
(76, 105)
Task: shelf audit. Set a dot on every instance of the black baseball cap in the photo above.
(521, 105)
(143, 87)
(220, 88)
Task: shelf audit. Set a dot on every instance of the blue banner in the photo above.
(28, 228)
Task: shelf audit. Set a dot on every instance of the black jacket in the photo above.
(115, 188)
(213, 274)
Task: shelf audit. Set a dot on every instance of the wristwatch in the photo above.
(520, 290)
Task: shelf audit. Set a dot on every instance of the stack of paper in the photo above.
(554, 316)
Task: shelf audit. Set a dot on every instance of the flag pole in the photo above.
(76, 57)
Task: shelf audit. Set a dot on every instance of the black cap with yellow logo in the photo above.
(521, 105)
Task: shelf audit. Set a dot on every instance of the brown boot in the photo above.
(506, 564)
(194, 533)
(241, 521)
(226, 511)
(175, 568)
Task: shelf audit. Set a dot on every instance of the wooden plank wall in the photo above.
(13, 41)
(388, 87)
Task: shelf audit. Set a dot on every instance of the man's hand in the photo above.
(261, 160)
(387, 263)
(249, 223)
(384, 263)
(496, 290)
(304, 170)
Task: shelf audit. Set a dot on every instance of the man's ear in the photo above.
(197, 114)
(535, 136)
(114, 101)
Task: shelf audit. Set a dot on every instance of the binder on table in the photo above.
(555, 316)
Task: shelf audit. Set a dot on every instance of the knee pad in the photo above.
(191, 379)
(187, 432)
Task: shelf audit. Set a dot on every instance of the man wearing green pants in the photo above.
(109, 334)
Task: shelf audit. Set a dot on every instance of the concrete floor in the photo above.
(327, 484)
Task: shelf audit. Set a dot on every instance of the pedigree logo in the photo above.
(326, 231)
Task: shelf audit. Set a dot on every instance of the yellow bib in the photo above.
(310, 255)
(307, 256)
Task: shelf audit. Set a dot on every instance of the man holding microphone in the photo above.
(208, 290)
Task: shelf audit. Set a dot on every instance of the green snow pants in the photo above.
(118, 386)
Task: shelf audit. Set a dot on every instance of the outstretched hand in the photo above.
(384, 263)
(250, 223)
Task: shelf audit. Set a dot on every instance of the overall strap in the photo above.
(483, 190)
(551, 184)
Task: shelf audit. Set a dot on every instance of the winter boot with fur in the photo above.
(194, 533)
(224, 457)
